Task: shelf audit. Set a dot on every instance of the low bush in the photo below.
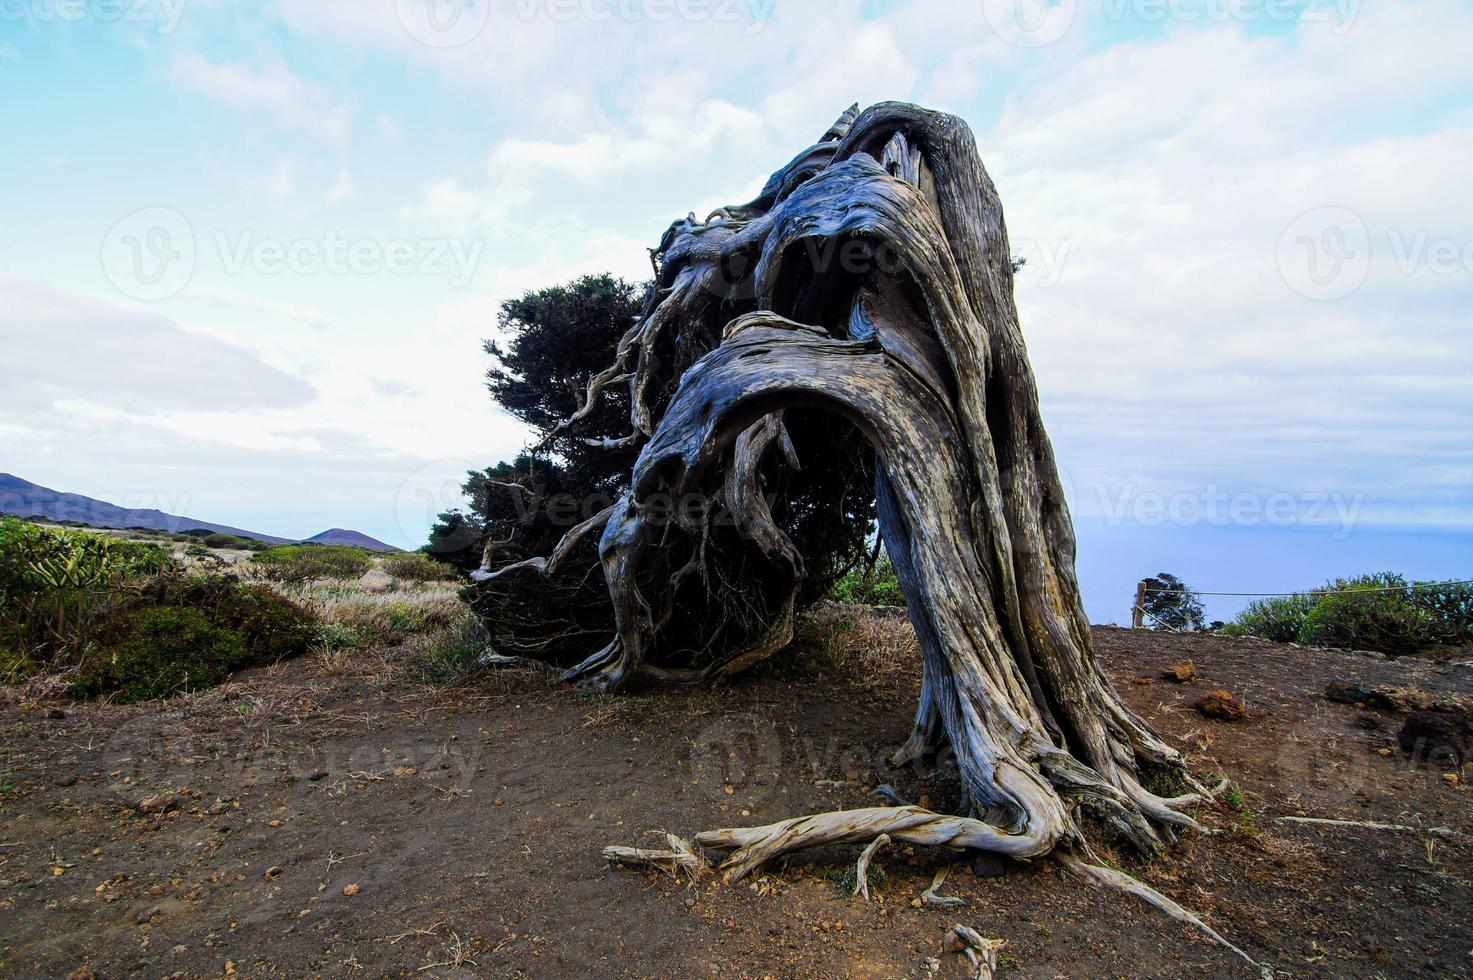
(232, 541)
(1382, 612)
(57, 586)
(161, 652)
(125, 619)
(879, 587)
(1279, 619)
(307, 562)
(416, 566)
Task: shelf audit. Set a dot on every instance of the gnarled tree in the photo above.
(865, 298)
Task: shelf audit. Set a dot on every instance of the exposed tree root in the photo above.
(1367, 825)
(861, 867)
(1110, 878)
(931, 900)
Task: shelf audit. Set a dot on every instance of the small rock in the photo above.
(272, 871)
(274, 824)
(1346, 692)
(1222, 706)
(1451, 777)
(351, 890)
(81, 973)
(1383, 752)
(318, 775)
(65, 781)
(162, 803)
(55, 714)
(1180, 672)
(989, 865)
(1368, 722)
(146, 916)
(217, 808)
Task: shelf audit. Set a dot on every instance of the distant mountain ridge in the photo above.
(22, 498)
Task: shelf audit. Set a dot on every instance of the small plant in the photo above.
(339, 636)
(1248, 823)
(846, 878)
(456, 654)
(1235, 797)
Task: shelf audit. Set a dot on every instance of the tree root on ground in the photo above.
(861, 867)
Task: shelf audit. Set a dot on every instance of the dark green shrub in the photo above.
(1449, 608)
(161, 652)
(878, 588)
(271, 626)
(1279, 619)
(416, 566)
(57, 586)
(1365, 615)
(232, 541)
(305, 562)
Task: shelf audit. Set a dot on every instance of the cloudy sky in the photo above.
(251, 249)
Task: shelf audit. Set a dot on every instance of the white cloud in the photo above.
(272, 88)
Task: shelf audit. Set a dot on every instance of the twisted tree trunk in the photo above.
(871, 281)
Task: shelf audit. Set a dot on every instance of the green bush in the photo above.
(161, 652)
(232, 541)
(57, 586)
(306, 562)
(1380, 612)
(416, 566)
(339, 636)
(1364, 615)
(1280, 619)
(272, 627)
(879, 588)
(1449, 608)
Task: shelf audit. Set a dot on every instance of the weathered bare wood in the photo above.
(861, 867)
(871, 283)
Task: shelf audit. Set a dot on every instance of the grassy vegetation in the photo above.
(1381, 612)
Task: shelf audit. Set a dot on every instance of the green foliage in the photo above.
(1171, 605)
(1382, 612)
(416, 566)
(306, 562)
(126, 618)
(272, 627)
(1364, 615)
(455, 653)
(232, 541)
(1279, 619)
(879, 587)
(161, 652)
(57, 585)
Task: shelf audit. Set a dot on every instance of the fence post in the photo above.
(1138, 611)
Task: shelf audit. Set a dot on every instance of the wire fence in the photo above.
(1315, 592)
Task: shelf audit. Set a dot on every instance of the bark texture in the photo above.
(866, 299)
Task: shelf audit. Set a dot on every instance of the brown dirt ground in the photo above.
(469, 822)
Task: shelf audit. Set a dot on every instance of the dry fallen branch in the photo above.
(981, 951)
(679, 856)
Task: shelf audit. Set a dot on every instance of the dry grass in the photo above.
(869, 642)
